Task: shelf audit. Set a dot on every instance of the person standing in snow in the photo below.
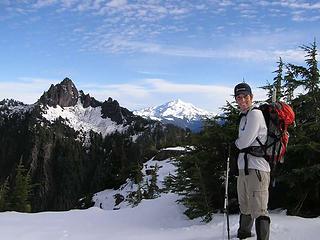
(254, 172)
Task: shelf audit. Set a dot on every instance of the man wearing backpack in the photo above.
(254, 172)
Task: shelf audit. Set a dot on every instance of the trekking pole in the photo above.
(225, 207)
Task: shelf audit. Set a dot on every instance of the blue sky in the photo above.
(145, 53)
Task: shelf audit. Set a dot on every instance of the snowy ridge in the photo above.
(83, 119)
(11, 107)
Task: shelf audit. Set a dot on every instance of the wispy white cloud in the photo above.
(44, 3)
(128, 90)
(290, 4)
(301, 11)
(158, 27)
(151, 92)
(164, 86)
(133, 95)
(301, 18)
(122, 18)
(138, 27)
(300, 5)
(68, 3)
(117, 3)
(25, 89)
(225, 3)
(223, 52)
(155, 91)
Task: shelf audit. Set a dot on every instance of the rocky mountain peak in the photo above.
(112, 110)
(88, 101)
(64, 94)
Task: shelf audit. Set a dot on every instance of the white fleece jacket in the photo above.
(252, 126)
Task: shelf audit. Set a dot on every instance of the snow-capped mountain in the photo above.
(68, 134)
(82, 112)
(179, 113)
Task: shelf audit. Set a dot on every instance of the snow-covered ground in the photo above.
(106, 200)
(157, 219)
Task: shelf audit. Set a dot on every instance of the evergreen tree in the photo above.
(192, 182)
(135, 197)
(230, 116)
(136, 174)
(309, 78)
(299, 177)
(269, 88)
(19, 196)
(290, 84)
(278, 79)
(153, 188)
(199, 177)
(298, 184)
(4, 190)
(311, 72)
(276, 85)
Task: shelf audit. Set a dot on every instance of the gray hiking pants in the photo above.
(253, 193)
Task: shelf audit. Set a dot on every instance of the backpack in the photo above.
(278, 117)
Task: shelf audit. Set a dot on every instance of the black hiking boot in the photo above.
(244, 235)
(263, 228)
(245, 226)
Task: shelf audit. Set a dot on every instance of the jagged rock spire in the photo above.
(64, 94)
(87, 100)
(112, 109)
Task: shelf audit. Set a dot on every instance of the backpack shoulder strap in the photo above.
(241, 115)
(255, 108)
(258, 108)
(246, 113)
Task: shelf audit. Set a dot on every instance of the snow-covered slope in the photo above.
(83, 119)
(178, 113)
(156, 219)
(107, 199)
(11, 107)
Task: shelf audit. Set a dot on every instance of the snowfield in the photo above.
(157, 219)
(84, 119)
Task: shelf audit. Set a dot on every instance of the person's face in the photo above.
(244, 101)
